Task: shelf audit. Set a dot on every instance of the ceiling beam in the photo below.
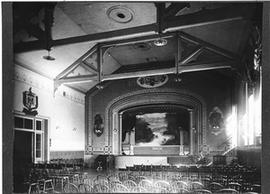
(102, 36)
(174, 8)
(209, 16)
(89, 67)
(76, 63)
(137, 40)
(200, 18)
(208, 45)
(182, 69)
(195, 53)
(77, 79)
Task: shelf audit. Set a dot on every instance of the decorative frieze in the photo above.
(44, 84)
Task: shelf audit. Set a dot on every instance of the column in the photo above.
(181, 142)
(120, 133)
(191, 130)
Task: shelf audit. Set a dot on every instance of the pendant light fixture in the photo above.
(48, 57)
(160, 41)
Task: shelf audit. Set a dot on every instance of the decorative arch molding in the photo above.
(154, 96)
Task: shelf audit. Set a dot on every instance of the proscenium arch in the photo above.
(155, 96)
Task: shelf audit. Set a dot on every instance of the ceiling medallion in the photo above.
(120, 14)
(160, 42)
(152, 81)
(143, 46)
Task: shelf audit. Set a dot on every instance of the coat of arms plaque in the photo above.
(30, 101)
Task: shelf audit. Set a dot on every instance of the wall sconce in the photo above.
(216, 121)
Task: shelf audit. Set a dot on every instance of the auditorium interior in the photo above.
(139, 97)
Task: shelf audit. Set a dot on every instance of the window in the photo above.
(23, 123)
(38, 145)
(38, 129)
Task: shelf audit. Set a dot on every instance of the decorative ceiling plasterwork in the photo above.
(152, 81)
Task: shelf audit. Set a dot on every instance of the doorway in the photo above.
(30, 146)
(23, 157)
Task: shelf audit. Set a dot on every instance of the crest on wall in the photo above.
(216, 121)
(30, 101)
(98, 125)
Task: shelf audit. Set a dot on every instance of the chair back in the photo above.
(100, 188)
(71, 188)
(202, 191)
(196, 185)
(162, 184)
(234, 185)
(119, 188)
(85, 188)
(138, 189)
(33, 188)
(214, 186)
(179, 185)
(228, 191)
(130, 184)
(146, 184)
(179, 190)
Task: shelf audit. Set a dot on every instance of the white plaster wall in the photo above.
(65, 113)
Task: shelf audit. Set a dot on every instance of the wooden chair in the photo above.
(179, 190)
(101, 177)
(100, 188)
(179, 185)
(196, 185)
(33, 188)
(100, 180)
(138, 189)
(113, 183)
(236, 186)
(132, 177)
(59, 181)
(162, 190)
(113, 177)
(162, 184)
(228, 191)
(214, 186)
(130, 184)
(147, 185)
(70, 188)
(202, 191)
(119, 188)
(205, 181)
(139, 178)
(256, 188)
(85, 188)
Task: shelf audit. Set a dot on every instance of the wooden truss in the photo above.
(182, 65)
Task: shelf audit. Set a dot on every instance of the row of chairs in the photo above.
(148, 186)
